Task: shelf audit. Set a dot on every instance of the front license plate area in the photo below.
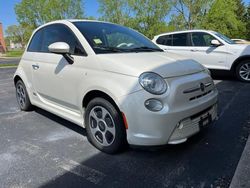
(205, 121)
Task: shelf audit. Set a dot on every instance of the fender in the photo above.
(20, 72)
(238, 60)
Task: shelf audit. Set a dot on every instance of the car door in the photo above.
(213, 57)
(55, 80)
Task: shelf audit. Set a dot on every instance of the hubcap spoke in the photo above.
(105, 142)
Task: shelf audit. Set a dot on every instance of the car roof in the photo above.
(184, 31)
(65, 21)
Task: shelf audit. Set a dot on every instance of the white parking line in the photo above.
(10, 112)
(8, 79)
(90, 174)
(230, 102)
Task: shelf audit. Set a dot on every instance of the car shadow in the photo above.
(60, 121)
(222, 75)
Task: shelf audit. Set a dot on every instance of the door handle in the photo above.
(193, 50)
(35, 67)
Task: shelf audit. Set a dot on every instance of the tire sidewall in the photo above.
(119, 142)
(27, 105)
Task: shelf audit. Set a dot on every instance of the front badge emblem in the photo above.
(202, 87)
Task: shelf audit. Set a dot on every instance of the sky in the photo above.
(8, 17)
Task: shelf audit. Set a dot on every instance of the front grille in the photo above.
(201, 95)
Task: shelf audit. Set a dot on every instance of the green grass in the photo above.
(7, 65)
(14, 53)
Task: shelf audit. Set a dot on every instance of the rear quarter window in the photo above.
(165, 40)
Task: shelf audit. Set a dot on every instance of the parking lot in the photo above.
(39, 149)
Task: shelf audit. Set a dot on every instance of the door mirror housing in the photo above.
(215, 42)
(59, 48)
(62, 48)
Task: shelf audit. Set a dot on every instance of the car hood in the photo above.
(241, 49)
(133, 64)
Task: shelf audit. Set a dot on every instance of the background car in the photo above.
(241, 41)
(210, 48)
(116, 83)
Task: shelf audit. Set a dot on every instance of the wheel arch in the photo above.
(97, 93)
(239, 60)
(16, 78)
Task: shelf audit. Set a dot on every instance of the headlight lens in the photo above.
(153, 83)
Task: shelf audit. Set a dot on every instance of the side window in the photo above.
(36, 41)
(201, 39)
(180, 39)
(165, 40)
(60, 33)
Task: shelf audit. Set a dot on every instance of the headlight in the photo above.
(153, 83)
(206, 70)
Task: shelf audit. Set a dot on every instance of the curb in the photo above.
(2, 57)
(6, 67)
(241, 176)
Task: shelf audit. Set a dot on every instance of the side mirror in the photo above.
(62, 48)
(215, 43)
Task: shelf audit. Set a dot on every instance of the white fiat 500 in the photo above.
(116, 83)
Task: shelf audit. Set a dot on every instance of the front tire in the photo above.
(243, 71)
(22, 96)
(104, 126)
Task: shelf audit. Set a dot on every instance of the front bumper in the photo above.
(147, 128)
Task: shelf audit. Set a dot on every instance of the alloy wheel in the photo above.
(244, 71)
(102, 125)
(21, 95)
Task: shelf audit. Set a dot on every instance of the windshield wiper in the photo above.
(108, 49)
(147, 49)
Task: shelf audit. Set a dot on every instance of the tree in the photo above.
(16, 33)
(241, 13)
(37, 12)
(146, 16)
(222, 17)
(247, 18)
(189, 13)
(149, 16)
(114, 11)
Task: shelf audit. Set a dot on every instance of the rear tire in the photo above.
(104, 126)
(243, 71)
(22, 96)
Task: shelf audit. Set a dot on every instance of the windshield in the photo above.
(224, 38)
(112, 38)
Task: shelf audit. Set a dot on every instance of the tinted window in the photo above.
(165, 40)
(180, 39)
(201, 39)
(36, 41)
(60, 33)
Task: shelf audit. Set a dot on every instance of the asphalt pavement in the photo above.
(39, 149)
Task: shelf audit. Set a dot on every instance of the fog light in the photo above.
(153, 105)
